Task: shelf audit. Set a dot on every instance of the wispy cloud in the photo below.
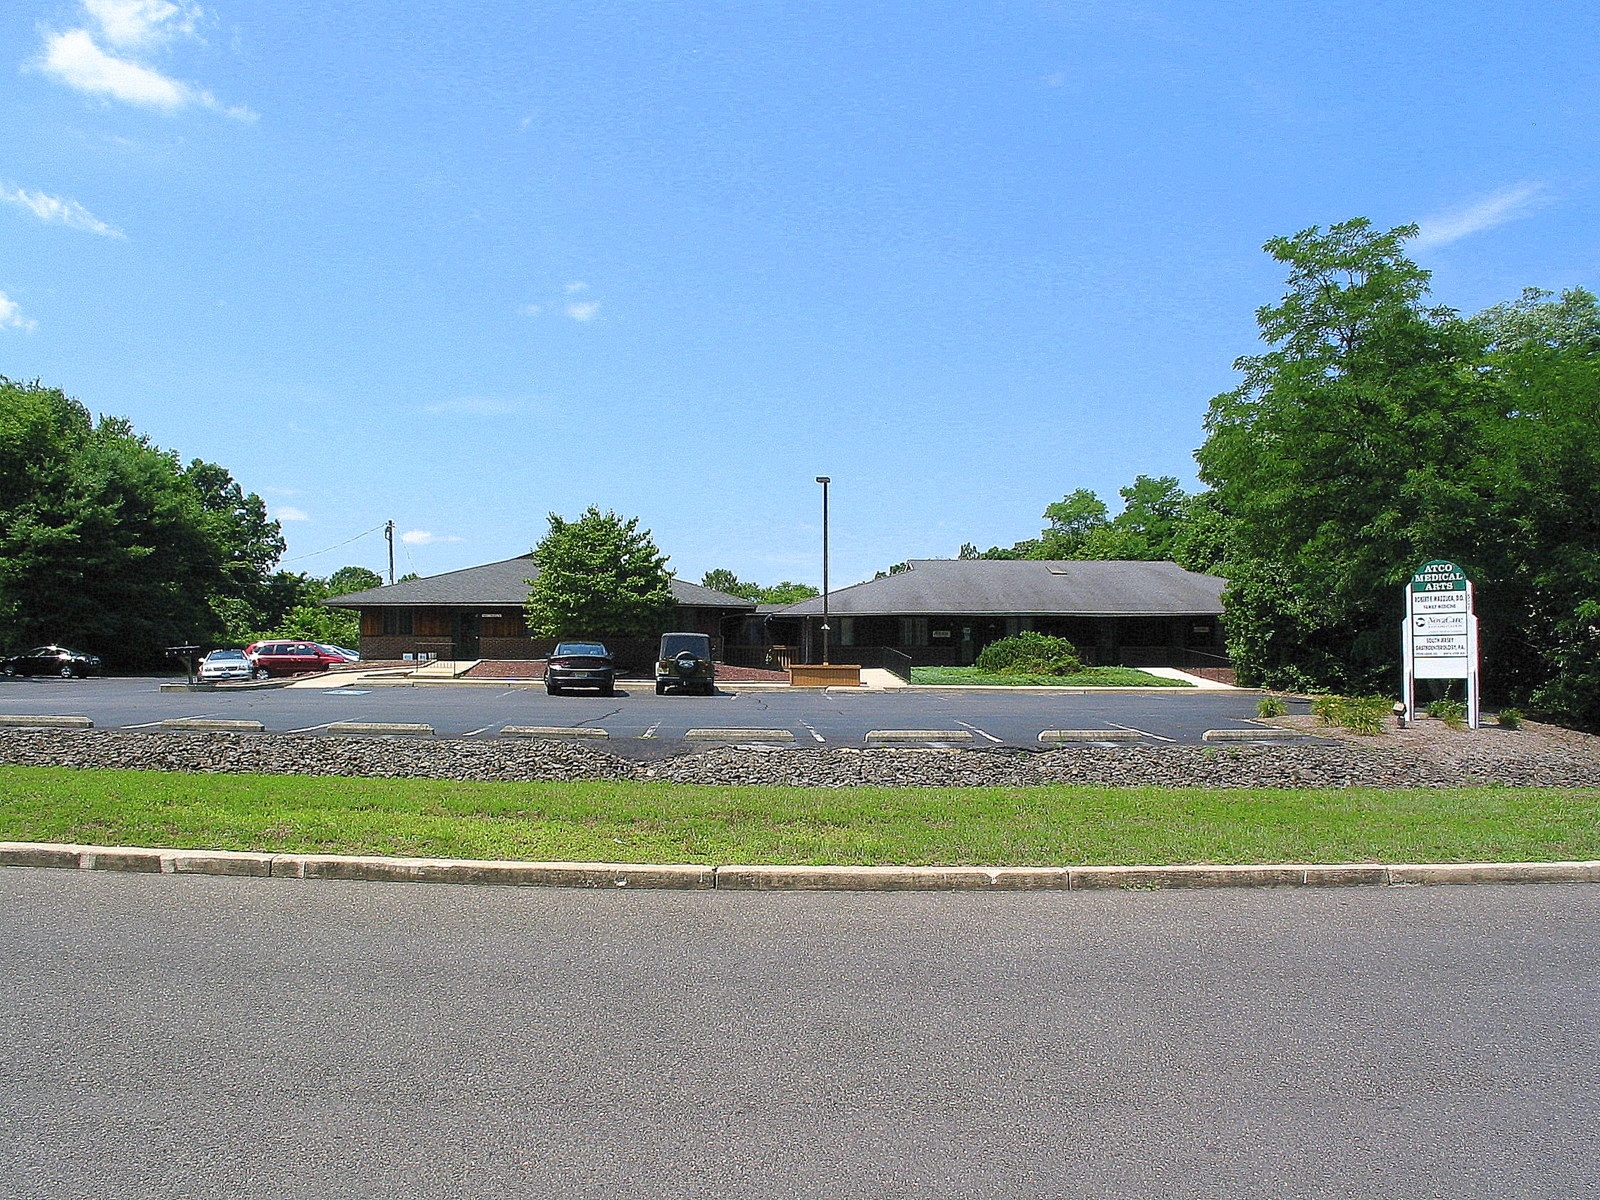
(286, 513)
(584, 310)
(576, 286)
(421, 537)
(78, 58)
(11, 316)
(1508, 204)
(58, 208)
(565, 304)
(472, 406)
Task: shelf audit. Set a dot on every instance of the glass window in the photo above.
(397, 622)
(913, 631)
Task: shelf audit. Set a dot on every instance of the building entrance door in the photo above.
(464, 636)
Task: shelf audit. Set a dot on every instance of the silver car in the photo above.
(225, 664)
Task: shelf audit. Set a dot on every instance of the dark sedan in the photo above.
(51, 660)
(580, 665)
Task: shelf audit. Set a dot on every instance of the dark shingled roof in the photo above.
(499, 583)
(1027, 588)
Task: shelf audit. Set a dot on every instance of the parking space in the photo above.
(636, 714)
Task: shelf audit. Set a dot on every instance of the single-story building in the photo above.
(477, 613)
(942, 612)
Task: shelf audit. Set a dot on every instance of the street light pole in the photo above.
(824, 481)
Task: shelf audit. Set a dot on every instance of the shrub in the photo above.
(1030, 653)
(1452, 712)
(1271, 706)
(1510, 718)
(1362, 714)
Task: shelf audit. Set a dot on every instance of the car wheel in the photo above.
(10, 668)
(262, 673)
(661, 687)
(67, 672)
(710, 689)
(608, 691)
(551, 689)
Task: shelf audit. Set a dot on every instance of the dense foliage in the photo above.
(1158, 521)
(110, 544)
(599, 576)
(1379, 431)
(723, 580)
(1030, 653)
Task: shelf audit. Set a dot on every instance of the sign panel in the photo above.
(1439, 635)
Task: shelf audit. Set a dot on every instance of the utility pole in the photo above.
(388, 532)
(824, 481)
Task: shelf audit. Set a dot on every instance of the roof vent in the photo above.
(1057, 568)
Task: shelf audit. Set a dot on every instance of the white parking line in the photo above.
(812, 731)
(190, 717)
(651, 732)
(980, 732)
(1142, 732)
(474, 732)
(311, 728)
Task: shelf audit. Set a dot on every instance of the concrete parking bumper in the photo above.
(16, 721)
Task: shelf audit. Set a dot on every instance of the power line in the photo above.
(330, 549)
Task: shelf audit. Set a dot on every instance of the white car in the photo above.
(225, 664)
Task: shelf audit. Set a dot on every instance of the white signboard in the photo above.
(1439, 635)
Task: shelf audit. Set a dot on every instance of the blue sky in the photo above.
(461, 265)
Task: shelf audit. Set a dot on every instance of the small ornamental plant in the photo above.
(1271, 706)
(1452, 712)
(1510, 718)
(1359, 714)
(1030, 653)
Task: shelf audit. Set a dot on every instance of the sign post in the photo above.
(1439, 636)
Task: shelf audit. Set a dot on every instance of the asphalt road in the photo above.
(814, 718)
(201, 1037)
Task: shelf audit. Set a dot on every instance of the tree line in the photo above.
(1376, 431)
(110, 543)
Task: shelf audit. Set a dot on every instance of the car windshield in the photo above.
(586, 649)
(224, 655)
(674, 644)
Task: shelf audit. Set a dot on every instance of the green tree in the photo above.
(106, 541)
(352, 579)
(723, 580)
(1344, 459)
(600, 575)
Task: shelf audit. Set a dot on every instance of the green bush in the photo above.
(1271, 706)
(1510, 718)
(1359, 714)
(1030, 653)
(1452, 712)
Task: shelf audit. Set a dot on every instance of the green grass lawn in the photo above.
(633, 822)
(1089, 677)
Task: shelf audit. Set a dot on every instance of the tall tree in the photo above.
(600, 575)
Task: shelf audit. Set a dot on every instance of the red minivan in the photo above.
(289, 658)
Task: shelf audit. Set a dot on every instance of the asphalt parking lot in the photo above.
(637, 715)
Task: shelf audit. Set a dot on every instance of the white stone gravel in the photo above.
(1539, 756)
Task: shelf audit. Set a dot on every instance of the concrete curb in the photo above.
(363, 728)
(211, 725)
(747, 878)
(554, 731)
(1265, 733)
(918, 735)
(1090, 735)
(13, 721)
(738, 735)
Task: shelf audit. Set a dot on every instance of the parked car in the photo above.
(51, 660)
(289, 658)
(582, 665)
(684, 661)
(225, 664)
(343, 652)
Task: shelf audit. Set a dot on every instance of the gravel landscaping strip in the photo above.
(1533, 757)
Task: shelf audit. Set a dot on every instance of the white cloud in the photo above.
(78, 60)
(143, 22)
(58, 208)
(1508, 204)
(531, 310)
(576, 286)
(287, 513)
(11, 316)
(583, 311)
(472, 406)
(421, 537)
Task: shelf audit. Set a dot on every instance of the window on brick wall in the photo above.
(397, 622)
